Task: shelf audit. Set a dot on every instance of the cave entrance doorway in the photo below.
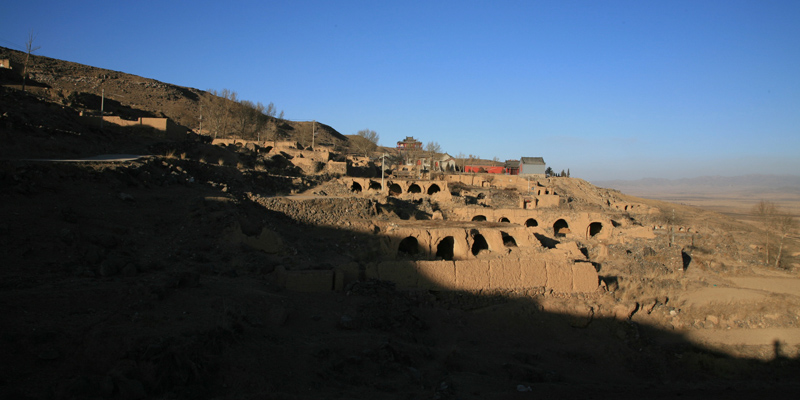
(479, 243)
(395, 190)
(531, 223)
(444, 249)
(374, 185)
(409, 247)
(595, 228)
(414, 188)
(479, 218)
(434, 189)
(355, 187)
(508, 240)
(561, 228)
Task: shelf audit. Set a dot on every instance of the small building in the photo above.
(512, 167)
(446, 162)
(409, 143)
(438, 162)
(532, 166)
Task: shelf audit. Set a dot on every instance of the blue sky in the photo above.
(608, 89)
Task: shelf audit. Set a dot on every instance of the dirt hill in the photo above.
(206, 271)
(80, 88)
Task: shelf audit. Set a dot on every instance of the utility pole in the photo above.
(102, 104)
(313, 122)
(383, 168)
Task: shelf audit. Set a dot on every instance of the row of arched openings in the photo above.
(445, 249)
(560, 227)
(530, 222)
(395, 189)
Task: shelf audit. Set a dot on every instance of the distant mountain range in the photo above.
(707, 184)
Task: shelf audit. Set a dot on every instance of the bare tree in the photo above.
(765, 211)
(784, 225)
(28, 50)
(461, 157)
(432, 148)
(218, 112)
(366, 141)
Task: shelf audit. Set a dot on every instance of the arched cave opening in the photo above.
(355, 187)
(561, 228)
(479, 218)
(444, 249)
(374, 185)
(531, 223)
(414, 188)
(434, 189)
(409, 247)
(395, 190)
(595, 228)
(508, 240)
(479, 243)
(504, 219)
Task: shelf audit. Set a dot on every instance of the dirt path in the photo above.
(746, 292)
(722, 295)
(776, 285)
(752, 337)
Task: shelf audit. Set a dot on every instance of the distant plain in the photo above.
(731, 196)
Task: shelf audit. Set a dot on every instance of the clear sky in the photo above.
(608, 89)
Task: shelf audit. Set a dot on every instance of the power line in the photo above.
(13, 45)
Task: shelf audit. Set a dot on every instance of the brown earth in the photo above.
(137, 279)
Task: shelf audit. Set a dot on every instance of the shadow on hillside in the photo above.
(368, 340)
(487, 341)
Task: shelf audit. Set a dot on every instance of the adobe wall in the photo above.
(438, 190)
(358, 161)
(551, 272)
(462, 239)
(162, 124)
(263, 143)
(335, 168)
(520, 183)
(578, 223)
(318, 156)
(308, 165)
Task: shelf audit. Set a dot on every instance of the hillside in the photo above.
(205, 271)
(80, 88)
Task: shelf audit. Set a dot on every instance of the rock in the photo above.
(625, 311)
(126, 197)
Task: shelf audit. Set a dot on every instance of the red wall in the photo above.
(486, 168)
